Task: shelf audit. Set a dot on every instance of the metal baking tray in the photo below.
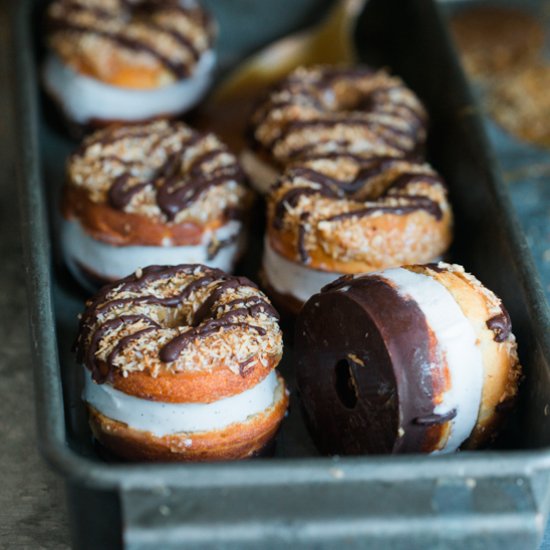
(483, 499)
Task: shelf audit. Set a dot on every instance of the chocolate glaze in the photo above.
(205, 321)
(501, 325)
(366, 318)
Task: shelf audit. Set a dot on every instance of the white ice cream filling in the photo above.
(291, 278)
(114, 262)
(162, 419)
(457, 342)
(262, 175)
(83, 98)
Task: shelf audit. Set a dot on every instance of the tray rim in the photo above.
(48, 389)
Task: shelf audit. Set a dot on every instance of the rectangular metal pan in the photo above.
(490, 499)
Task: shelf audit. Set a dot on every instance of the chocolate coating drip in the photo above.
(435, 419)
(501, 325)
(205, 321)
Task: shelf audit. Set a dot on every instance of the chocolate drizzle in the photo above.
(399, 196)
(501, 325)
(389, 122)
(120, 194)
(410, 204)
(177, 183)
(101, 317)
(435, 419)
(66, 16)
(179, 191)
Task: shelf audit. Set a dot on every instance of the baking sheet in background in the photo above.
(525, 168)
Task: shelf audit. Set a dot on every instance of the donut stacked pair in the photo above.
(352, 193)
(328, 217)
(120, 61)
(412, 359)
(154, 193)
(179, 365)
(325, 111)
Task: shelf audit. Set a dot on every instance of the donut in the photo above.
(406, 360)
(326, 110)
(121, 61)
(179, 365)
(495, 40)
(349, 214)
(154, 193)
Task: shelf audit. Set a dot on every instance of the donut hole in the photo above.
(345, 384)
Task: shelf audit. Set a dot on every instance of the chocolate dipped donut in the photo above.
(330, 216)
(157, 193)
(325, 110)
(412, 359)
(179, 365)
(114, 60)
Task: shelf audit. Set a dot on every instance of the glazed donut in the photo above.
(152, 193)
(179, 365)
(115, 60)
(411, 359)
(349, 214)
(324, 110)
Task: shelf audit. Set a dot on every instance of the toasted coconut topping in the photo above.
(163, 170)
(327, 110)
(175, 319)
(330, 204)
(102, 37)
